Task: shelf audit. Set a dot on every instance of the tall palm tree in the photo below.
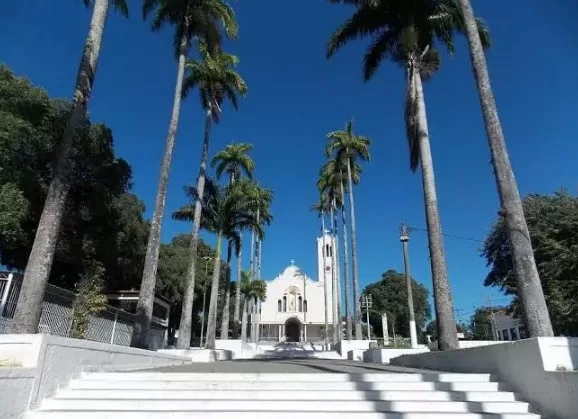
(347, 148)
(234, 161)
(29, 308)
(225, 209)
(321, 207)
(392, 24)
(215, 77)
(232, 246)
(251, 290)
(530, 288)
(200, 19)
(332, 182)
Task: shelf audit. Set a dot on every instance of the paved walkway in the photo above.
(305, 366)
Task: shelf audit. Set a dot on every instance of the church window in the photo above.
(305, 306)
(279, 306)
(300, 304)
(284, 303)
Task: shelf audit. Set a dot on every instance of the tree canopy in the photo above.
(390, 296)
(553, 225)
(103, 221)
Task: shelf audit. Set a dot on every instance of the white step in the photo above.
(102, 383)
(471, 396)
(284, 406)
(377, 377)
(293, 414)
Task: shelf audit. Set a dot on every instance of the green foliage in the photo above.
(553, 225)
(385, 22)
(120, 5)
(253, 288)
(234, 161)
(390, 296)
(480, 327)
(102, 222)
(89, 300)
(345, 145)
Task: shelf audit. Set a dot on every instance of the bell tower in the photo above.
(326, 258)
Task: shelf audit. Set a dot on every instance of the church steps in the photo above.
(335, 394)
(289, 385)
(59, 414)
(298, 377)
(168, 406)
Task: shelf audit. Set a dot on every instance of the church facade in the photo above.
(295, 309)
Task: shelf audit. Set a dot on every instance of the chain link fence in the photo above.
(113, 325)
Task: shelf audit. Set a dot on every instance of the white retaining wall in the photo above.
(39, 364)
(528, 366)
(383, 356)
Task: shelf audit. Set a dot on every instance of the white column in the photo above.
(280, 333)
(412, 334)
(305, 331)
(385, 330)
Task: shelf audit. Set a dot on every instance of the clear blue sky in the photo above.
(296, 96)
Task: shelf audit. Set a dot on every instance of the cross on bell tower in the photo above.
(292, 261)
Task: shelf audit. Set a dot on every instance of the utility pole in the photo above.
(367, 303)
(206, 259)
(492, 318)
(404, 238)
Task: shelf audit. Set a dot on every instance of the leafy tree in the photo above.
(347, 148)
(89, 300)
(215, 77)
(532, 298)
(390, 296)
(405, 32)
(39, 263)
(480, 327)
(252, 290)
(102, 222)
(200, 19)
(552, 223)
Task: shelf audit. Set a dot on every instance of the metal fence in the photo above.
(112, 325)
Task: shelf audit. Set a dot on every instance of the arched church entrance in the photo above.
(292, 329)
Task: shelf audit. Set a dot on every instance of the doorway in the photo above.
(292, 330)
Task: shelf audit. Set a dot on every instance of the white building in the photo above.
(507, 327)
(295, 310)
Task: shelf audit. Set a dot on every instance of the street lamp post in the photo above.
(367, 303)
(206, 259)
(404, 238)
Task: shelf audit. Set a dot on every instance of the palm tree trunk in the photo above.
(29, 308)
(325, 283)
(236, 314)
(147, 289)
(528, 280)
(447, 333)
(336, 278)
(212, 318)
(184, 340)
(244, 319)
(226, 313)
(258, 276)
(252, 258)
(345, 266)
(356, 301)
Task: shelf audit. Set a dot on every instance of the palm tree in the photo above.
(531, 294)
(332, 182)
(347, 148)
(321, 207)
(191, 19)
(225, 209)
(29, 308)
(404, 31)
(233, 245)
(216, 79)
(252, 290)
(234, 161)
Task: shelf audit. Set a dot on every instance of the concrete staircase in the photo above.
(156, 395)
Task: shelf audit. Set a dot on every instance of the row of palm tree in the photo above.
(407, 32)
(336, 179)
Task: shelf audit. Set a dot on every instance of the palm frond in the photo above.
(363, 23)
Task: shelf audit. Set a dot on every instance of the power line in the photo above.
(448, 235)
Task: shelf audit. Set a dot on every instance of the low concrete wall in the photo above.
(344, 346)
(233, 345)
(464, 344)
(47, 362)
(522, 365)
(383, 356)
(200, 355)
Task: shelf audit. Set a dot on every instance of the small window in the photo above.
(523, 332)
(499, 335)
(505, 334)
(304, 306)
(300, 304)
(279, 306)
(514, 333)
(284, 303)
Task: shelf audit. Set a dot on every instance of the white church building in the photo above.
(294, 310)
